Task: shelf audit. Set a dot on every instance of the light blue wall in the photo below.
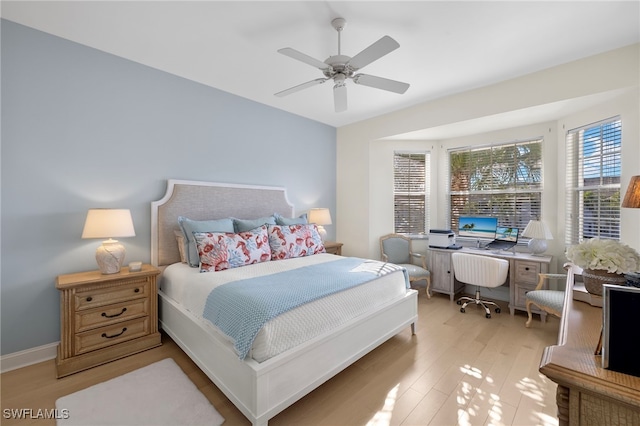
(82, 129)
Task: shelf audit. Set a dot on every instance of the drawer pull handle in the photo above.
(526, 269)
(104, 314)
(137, 290)
(89, 299)
(115, 335)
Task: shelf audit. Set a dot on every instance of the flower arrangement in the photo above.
(601, 254)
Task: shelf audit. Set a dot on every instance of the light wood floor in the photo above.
(459, 369)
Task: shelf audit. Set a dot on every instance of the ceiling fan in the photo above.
(340, 67)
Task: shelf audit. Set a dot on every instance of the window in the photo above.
(411, 192)
(593, 181)
(502, 181)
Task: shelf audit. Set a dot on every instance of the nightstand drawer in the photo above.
(111, 294)
(111, 314)
(112, 335)
(527, 272)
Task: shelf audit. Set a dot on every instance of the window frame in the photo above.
(520, 192)
(578, 187)
(408, 228)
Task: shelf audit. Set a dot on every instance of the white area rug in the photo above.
(158, 394)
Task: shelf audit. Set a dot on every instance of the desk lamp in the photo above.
(539, 233)
(109, 223)
(320, 217)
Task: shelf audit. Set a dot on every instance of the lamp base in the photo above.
(537, 247)
(322, 232)
(110, 256)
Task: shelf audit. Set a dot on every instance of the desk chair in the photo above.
(549, 300)
(397, 249)
(481, 271)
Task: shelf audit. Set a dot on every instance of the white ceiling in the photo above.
(445, 46)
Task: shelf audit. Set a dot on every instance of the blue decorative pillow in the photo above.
(190, 226)
(244, 225)
(300, 220)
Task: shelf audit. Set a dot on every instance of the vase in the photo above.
(594, 278)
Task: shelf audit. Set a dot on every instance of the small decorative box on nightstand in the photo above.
(106, 317)
(333, 247)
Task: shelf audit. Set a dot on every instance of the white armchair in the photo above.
(551, 300)
(398, 249)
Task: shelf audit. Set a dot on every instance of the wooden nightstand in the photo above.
(106, 317)
(333, 247)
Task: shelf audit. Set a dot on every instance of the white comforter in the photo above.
(190, 288)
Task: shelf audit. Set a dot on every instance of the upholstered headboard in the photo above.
(208, 200)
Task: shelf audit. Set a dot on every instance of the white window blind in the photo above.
(411, 192)
(593, 181)
(502, 181)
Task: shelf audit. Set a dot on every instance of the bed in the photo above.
(265, 381)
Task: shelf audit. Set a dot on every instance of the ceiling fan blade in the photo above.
(292, 53)
(301, 86)
(380, 83)
(376, 51)
(340, 97)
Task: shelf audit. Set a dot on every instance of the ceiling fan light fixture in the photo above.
(340, 67)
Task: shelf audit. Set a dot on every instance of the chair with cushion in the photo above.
(550, 300)
(398, 249)
(480, 271)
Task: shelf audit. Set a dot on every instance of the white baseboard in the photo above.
(28, 357)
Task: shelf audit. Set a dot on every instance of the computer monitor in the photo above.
(477, 227)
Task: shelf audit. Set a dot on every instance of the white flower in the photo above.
(610, 255)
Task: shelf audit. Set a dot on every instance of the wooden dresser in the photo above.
(587, 393)
(106, 317)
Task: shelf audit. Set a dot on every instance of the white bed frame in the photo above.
(259, 390)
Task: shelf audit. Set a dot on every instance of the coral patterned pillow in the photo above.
(219, 251)
(289, 241)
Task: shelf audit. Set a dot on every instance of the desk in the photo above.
(523, 273)
(587, 393)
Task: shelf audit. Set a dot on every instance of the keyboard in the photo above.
(500, 245)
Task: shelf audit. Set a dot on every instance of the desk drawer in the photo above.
(526, 272)
(521, 293)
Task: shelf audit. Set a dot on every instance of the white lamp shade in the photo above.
(108, 223)
(320, 216)
(537, 229)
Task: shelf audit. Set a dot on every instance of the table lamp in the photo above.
(321, 217)
(539, 233)
(632, 197)
(109, 223)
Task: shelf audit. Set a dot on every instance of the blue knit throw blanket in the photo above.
(241, 308)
